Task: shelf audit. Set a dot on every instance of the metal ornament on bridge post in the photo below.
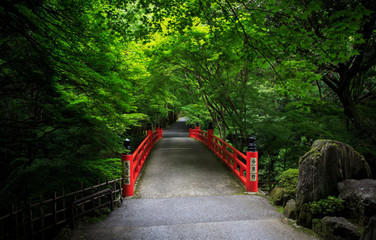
(252, 166)
(127, 162)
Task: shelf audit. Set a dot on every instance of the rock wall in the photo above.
(321, 169)
(360, 198)
(336, 228)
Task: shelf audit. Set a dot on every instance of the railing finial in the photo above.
(252, 144)
(127, 145)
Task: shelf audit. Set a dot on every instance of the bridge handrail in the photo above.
(133, 163)
(225, 155)
(239, 163)
(138, 156)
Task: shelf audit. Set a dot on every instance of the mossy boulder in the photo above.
(322, 168)
(290, 209)
(276, 195)
(335, 228)
(360, 199)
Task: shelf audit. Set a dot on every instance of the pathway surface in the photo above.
(185, 192)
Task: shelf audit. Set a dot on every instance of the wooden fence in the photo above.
(44, 218)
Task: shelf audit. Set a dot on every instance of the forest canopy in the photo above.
(78, 76)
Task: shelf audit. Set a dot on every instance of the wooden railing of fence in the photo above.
(43, 219)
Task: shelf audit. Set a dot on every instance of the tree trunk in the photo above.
(349, 108)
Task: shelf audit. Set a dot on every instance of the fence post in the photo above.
(149, 132)
(197, 130)
(127, 162)
(158, 131)
(251, 184)
(224, 157)
(210, 136)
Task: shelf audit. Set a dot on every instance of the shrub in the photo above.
(327, 206)
(288, 180)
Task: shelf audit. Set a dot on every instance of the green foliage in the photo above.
(68, 94)
(268, 76)
(288, 180)
(328, 206)
(77, 77)
(110, 168)
(196, 114)
(313, 59)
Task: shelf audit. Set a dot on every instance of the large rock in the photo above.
(276, 195)
(369, 232)
(320, 169)
(360, 198)
(336, 228)
(290, 209)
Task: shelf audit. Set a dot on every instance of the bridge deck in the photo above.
(181, 166)
(185, 192)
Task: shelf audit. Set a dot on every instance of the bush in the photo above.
(288, 180)
(327, 206)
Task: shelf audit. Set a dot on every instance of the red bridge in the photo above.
(186, 191)
(244, 167)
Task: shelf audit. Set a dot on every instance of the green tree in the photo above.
(66, 97)
(284, 99)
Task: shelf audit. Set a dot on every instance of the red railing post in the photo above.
(210, 136)
(149, 132)
(133, 163)
(234, 162)
(159, 131)
(251, 184)
(224, 151)
(127, 163)
(197, 131)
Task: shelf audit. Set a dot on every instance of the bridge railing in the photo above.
(133, 163)
(244, 167)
